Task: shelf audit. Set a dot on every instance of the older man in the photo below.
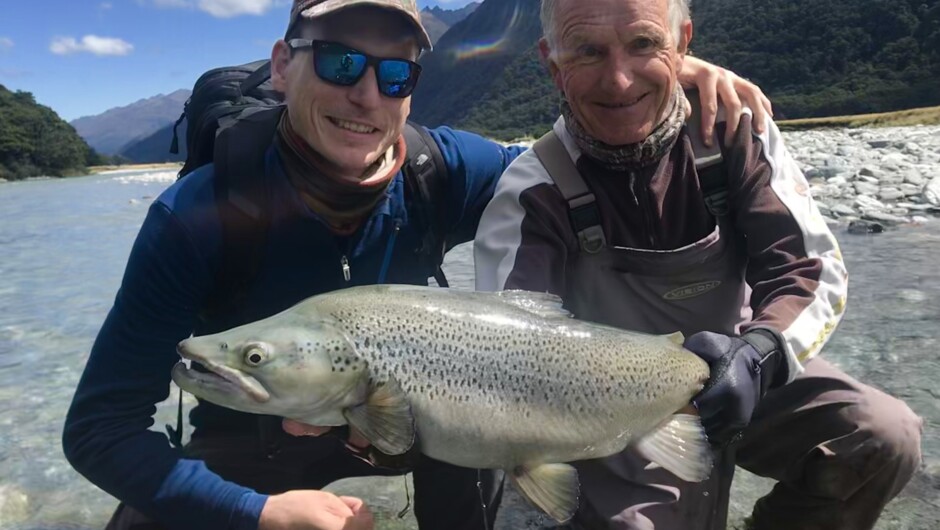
(622, 213)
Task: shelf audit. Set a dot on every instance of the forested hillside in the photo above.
(35, 141)
(813, 58)
(827, 57)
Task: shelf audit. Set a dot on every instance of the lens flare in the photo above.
(470, 50)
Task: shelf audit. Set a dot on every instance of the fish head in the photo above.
(287, 366)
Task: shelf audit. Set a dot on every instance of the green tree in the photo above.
(35, 141)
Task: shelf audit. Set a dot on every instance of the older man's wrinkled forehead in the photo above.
(562, 19)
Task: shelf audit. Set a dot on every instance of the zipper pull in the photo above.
(345, 264)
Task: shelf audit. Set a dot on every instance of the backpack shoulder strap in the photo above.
(709, 161)
(583, 213)
(426, 175)
(242, 202)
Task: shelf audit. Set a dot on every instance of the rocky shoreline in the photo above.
(887, 176)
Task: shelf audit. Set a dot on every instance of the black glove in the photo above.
(743, 369)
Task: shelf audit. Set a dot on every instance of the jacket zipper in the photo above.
(644, 213)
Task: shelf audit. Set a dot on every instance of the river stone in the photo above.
(912, 149)
(886, 218)
(879, 144)
(865, 188)
(890, 194)
(915, 178)
(932, 191)
(14, 506)
(870, 171)
(892, 177)
(910, 190)
(893, 160)
(866, 202)
(842, 210)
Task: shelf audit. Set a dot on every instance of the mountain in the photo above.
(437, 21)
(470, 57)
(451, 16)
(433, 25)
(110, 131)
(155, 147)
(34, 141)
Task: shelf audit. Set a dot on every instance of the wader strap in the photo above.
(709, 165)
(583, 212)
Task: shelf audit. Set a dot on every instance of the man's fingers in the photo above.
(362, 518)
(355, 504)
(297, 428)
(732, 103)
(708, 97)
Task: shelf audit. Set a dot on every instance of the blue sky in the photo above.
(82, 57)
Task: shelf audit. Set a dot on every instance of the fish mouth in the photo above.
(219, 379)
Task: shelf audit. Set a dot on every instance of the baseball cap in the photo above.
(318, 8)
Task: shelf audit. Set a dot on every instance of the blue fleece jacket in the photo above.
(168, 276)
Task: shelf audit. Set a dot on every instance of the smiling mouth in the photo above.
(624, 105)
(220, 378)
(352, 126)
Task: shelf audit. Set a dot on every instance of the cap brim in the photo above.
(333, 6)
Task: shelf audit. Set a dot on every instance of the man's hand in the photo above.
(743, 369)
(714, 82)
(314, 510)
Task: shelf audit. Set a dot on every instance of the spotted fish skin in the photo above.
(493, 384)
(502, 380)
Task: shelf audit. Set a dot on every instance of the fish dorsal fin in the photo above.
(546, 305)
(385, 419)
(679, 446)
(677, 338)
(554, 488)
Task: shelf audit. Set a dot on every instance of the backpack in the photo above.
(231, 111)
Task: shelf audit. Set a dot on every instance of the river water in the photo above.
(63, 245)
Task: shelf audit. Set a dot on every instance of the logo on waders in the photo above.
(692, 290)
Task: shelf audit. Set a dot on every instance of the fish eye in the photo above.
(255, 354)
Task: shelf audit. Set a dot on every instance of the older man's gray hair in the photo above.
(678, 13)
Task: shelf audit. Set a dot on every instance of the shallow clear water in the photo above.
(63, 245)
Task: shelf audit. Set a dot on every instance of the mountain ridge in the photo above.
(117, 127)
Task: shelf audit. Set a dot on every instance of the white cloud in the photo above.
(234, 8)
(90, 44)
(170, 3)
(105, 6)
(5, 43)
(221, 8)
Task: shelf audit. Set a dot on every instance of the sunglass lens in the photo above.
(395, 78)
(339, 65)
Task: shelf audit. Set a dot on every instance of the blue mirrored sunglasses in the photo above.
(341, 65)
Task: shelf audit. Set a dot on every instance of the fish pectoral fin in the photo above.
(545, 305)
(554, 488)
(677, 338)
(679, 446)
(385, 419)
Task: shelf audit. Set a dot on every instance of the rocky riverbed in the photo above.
(889, 176)
(54, 294)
